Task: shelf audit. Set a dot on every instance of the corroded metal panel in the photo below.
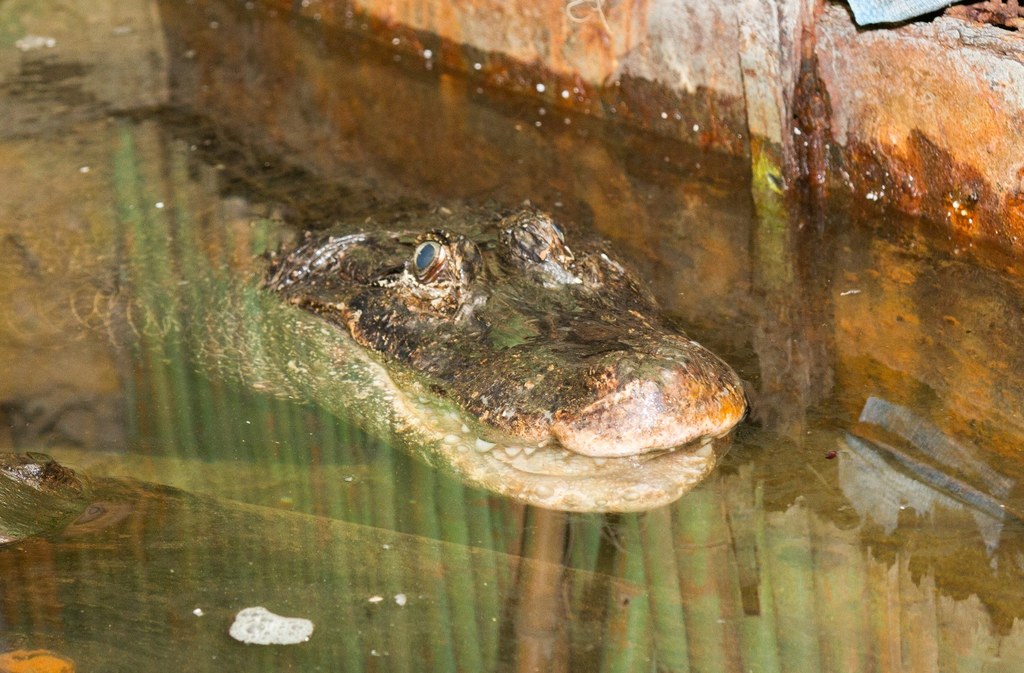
(926, 118)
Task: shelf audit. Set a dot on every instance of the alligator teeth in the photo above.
(529, 450)
(451, 439)
(483, 446)
(512, 451)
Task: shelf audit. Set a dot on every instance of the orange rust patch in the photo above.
(1005, 13)
(35, 661)
(920, 178)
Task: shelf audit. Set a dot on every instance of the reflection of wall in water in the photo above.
(934, 334)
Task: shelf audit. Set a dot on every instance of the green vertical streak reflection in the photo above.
(136, 231)
(842, 595)
(475, 506)
(462, 587)
(426, 523)
(759, 632)
(627, 632)
(670, 637)
(790, 564)
(703, 592)
(583, 552)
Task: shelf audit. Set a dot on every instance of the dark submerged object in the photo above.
(546, 343)
(37, 495)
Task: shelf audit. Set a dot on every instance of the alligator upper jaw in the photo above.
(645, 416)
(668, 395)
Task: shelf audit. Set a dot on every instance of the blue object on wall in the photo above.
(890, 11)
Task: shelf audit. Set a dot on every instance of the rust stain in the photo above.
(1005, 13)
(35, 661)
(920, 178)
(812, 113)
(926, 123)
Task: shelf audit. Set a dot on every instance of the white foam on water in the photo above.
(259, 626)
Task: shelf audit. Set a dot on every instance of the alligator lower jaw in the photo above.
(554, 478)
(542, 474)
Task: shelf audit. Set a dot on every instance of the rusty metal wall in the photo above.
(921, 117)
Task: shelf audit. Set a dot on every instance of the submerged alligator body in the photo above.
(580, 396)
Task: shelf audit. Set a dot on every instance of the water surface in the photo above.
(867, 518)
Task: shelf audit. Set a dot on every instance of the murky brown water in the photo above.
(867, 518)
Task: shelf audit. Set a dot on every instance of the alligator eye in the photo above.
(428, 260)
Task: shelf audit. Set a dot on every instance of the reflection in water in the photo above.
(176, 569)
(880, 493)
(540, 619)
(951, 454)
(938, 461)
(781, 560)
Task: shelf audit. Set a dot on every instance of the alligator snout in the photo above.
(654, 401)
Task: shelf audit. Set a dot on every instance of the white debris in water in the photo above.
(260, 626)
(401, 599)
(198, 612)
(375, 599)
(33, 42)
